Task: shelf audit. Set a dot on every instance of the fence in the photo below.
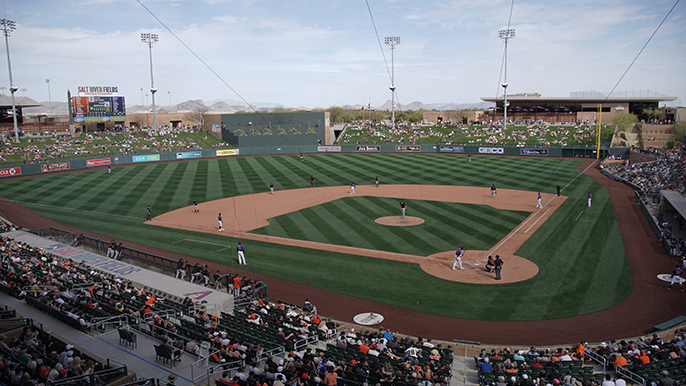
(165, 264)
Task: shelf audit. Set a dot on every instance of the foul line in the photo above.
(577, 217)
(532, 225)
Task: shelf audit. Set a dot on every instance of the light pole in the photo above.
(505, 34)
(392, 41)
(49, 97)
(169, 93)
(151, 39)
(7, 26)
(24, 90)
(142, 100)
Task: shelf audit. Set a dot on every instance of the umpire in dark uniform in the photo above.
(498, 266)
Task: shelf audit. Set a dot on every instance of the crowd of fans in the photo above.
(486, 133)
(73, 289)
(650, 357)
(102, 143)
(666, 173)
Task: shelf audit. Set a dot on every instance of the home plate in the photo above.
(368, 318)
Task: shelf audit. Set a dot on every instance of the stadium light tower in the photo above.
(7, 26)
(392, 41)
(505, 34)
(49, 97)
(151, 39)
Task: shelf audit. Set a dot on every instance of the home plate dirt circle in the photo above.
(397, 221)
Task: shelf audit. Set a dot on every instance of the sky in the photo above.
(322, 53)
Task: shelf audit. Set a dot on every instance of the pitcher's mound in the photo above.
(397, 221)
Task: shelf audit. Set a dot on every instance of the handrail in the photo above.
(631, 375)
(92, 378)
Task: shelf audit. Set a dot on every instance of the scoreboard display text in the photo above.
(99, 106)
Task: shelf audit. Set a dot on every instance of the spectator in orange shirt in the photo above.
(644, 358)
(364, 347)
(620, 362)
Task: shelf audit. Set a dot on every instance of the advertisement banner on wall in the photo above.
(408, 148)
(216, 128)
(533, 151)
(190, 154)
(368, 148)
(8, 172)
(146, 158)
(54, 167)
(451, 149)
(491, 150)
(226, 152)
(325, 149)
(98, 162)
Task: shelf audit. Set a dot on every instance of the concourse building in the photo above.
(578, 107)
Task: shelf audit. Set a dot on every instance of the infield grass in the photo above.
(582, 264)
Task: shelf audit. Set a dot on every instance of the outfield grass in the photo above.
(582, 263)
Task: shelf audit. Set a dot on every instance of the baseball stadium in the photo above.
(584, 266)
(535, 242)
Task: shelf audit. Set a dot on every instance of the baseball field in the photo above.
(582, 265)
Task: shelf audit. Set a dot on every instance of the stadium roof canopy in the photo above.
(515, 98)
(677, 200)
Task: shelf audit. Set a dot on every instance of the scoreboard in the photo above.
(99, 108)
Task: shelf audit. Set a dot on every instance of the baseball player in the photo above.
(493, 190)
(148, 218)
(377, 181)
(241, 254)
(221, 223)
(403, 208)
(352, 188)
(470, 158)
(558, 190)
(676, 277)
(589, 199)
(458, 258)
(195, 206)
(498, 266)
(538, 204)
(271, 187)
(312, 181)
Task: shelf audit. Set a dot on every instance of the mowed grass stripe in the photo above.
(173, 172)
(199, 186)
(182, 195)
(214, 187)
(146, 191)
(283, 179)
(91, 195)
(43, 192)
(88, 184)
(117, 200)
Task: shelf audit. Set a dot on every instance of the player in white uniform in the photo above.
(538, 205)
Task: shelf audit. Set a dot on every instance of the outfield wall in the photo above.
(110, 160)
